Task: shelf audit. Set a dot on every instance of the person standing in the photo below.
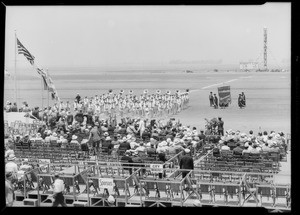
(9, 191)
(58, 189)
(78, 98)
(220, 126)
(216, 104)
(211, 99)
(243, 99)
(186, 162)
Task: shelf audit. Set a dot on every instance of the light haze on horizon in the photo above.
(99, 36)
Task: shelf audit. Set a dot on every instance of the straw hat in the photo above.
(84, 141)
(105, 134)
(187, 150)
(108, 138)
(74, 137)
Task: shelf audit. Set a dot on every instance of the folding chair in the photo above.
(250, 189)
(282, 191)
(205, 189)
(219, 190)
(230, 191)
(266, 191)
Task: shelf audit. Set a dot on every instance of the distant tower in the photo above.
(265, 49)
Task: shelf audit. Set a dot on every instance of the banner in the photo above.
(224, 95)
(107, 183)
(156, 168)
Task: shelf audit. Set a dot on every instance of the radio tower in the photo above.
(265, 49)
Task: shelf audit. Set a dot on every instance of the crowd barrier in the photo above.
(155, 185)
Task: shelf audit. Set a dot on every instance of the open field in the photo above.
(267, 94)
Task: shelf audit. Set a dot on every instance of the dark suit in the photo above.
(124, 146)
(186, 162)
(216, 104)
(237, 150)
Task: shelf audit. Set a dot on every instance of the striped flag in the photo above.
(25, 52)
(45, 83)
(41, 72)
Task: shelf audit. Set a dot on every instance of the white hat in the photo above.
(197, 203)
(105, 134)
(38, 134)
(54, 134)
(84, 141)
(243, 135)
(187, 150)
(74, 137)
(108, 138)
(246, 144)
(11, 157)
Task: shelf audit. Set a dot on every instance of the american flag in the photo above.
(25, 52)
(41, 72)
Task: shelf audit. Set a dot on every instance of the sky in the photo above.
(97, 36)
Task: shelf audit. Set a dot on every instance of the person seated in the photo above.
(151, 151)
(64, 141)
(266, 148)
(124, 144)
(141, 148)
(122, 130)
(25, 141)
(107, 145)
(238, 149)
(39, 141)
(74, 141)
(9, 150)
(225, 147)
(133, 143)
(84, 146)
(254, 150)
(127, 159)
(246, 149)
(25, 166)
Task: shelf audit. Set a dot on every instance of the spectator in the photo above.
(9, 150)
(238, 149)
(124, 145)
(108, 145)
(14, 108)
(246, 149)
(127, 158)
(225, 147)
(186, 162)
(11, 165)
(9, 190)
(74, 141)
(254, 150)
(58, 190)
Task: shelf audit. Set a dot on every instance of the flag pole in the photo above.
(15, 76)
(42, 92)
(47, 91)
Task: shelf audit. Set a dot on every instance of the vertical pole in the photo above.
(265, 49)
(15, 76)
(42, 89)
(47, 91)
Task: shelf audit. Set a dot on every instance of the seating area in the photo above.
(230, 162)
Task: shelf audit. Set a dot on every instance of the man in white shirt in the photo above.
(58, 189)
(225, 147)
